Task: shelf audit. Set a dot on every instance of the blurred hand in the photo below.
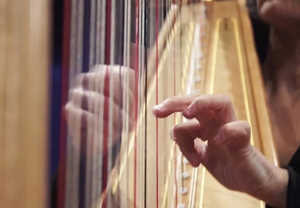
(104, 86)
(227, 154)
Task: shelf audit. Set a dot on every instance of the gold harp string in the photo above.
(210, 91)
(242, 73)
(185, 70)
(142, 118)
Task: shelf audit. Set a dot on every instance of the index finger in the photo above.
(173, 105)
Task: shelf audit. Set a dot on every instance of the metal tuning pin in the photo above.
(185, 175)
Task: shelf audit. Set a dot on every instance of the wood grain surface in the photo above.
(24, 63)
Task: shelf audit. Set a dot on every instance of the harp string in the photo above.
(111, 160)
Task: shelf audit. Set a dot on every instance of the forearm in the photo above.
(274, 190)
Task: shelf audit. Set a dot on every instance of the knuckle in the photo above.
(76, 93)
(177, 130)
(226, 100)
(246, 130)
(227, 130)
(239, 129)
(198, 103)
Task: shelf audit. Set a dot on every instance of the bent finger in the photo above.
(198, 155)
(189, 129)
(185, 136)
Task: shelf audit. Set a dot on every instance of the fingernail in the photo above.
(157, 107)
(155, 110)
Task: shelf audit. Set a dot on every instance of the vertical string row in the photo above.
(105, 133)
(136, 94)
(174, 121)
(108, 32)
(95, 36)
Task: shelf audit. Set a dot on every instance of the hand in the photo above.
(227, 155)
(104, 86)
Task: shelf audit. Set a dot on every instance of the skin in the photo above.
(87, 101)
(227, 155)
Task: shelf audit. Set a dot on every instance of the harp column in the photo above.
(23, 102)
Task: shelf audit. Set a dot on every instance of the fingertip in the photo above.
(157, 110)
(67, 108)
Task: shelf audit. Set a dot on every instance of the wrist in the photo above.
(274, 190)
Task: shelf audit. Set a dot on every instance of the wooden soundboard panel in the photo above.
(24, 64)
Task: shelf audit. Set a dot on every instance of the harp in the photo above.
(24, 79)
(137, 53)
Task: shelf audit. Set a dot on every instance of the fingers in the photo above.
(214, 107)
(212, 111)
(79, 119)
(93, 102)
(172, 105)
(120, 79)
(84, 99)
(233, 138)
(185, 135)
(190, 129)
(234, 135)
(205, 107)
